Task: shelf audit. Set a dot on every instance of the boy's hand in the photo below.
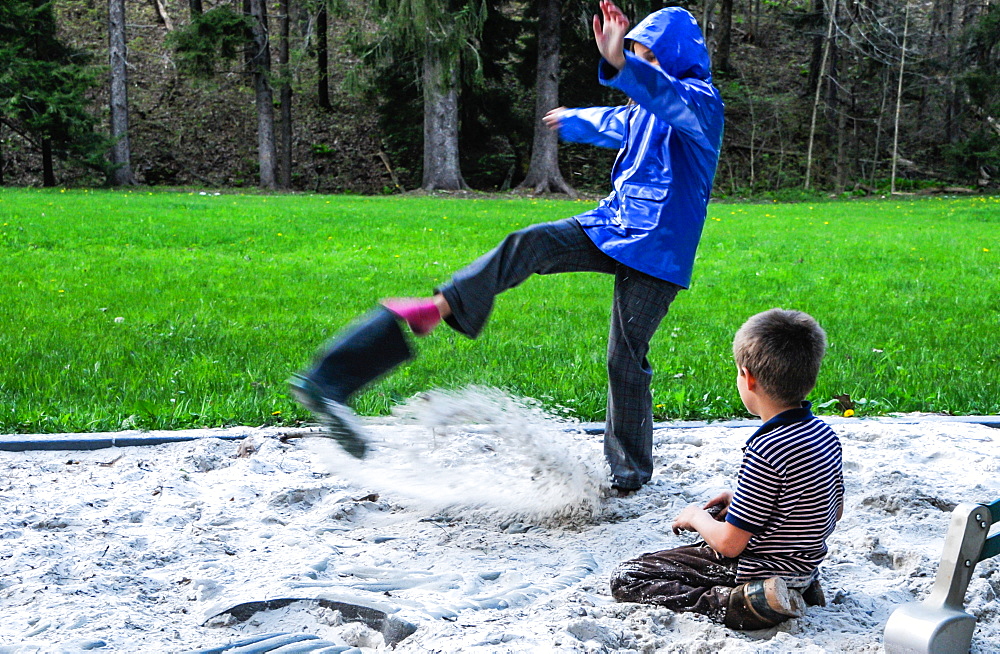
(718, 506)
(551, 118)
(685, 519)
(726, 539)
(610, 37)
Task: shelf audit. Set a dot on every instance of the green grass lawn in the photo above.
(170, 310)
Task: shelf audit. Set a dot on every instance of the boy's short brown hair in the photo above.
(782, 350)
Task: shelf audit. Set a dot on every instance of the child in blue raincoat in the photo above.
(645, 233)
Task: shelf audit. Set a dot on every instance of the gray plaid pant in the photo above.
(640, 303)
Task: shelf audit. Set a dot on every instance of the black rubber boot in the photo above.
(813, 594)
(761, 604)
(359, 355)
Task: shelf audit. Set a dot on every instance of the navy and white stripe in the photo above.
(790, 488)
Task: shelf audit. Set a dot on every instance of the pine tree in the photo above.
(43, 89)
(439, 33)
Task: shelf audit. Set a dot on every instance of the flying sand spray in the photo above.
(482, 450)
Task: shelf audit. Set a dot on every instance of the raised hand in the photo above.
(610, 37)
(552, 117)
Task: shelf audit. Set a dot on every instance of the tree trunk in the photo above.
(196, 8)
(161, 13)
(841, 165)
(952, 100)
(441, 164)
(752, 149)
(724, 43)
(261, 68)
(543, 171)
(817, 9)
(706, 20)
(818, 96)
(285, 101)
(834, 113)
(322, 59)
(250, 49)
(48, 173)
(899, 102)
(752, 16)
(121, 154)
(878, 126)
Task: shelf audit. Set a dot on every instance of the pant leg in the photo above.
(547, 248)
(640, 303)
(692, 578)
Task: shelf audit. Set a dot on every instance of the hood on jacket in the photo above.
(675, 38)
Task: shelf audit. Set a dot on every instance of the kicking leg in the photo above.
(466, 301)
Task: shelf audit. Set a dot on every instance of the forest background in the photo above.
(357, 96)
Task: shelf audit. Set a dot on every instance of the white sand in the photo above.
(476, 520)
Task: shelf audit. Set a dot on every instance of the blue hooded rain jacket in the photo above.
(669, 139)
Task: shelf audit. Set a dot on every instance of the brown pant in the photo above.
(692, 578)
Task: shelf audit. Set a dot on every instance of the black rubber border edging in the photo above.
(69, 442)
(63, 442)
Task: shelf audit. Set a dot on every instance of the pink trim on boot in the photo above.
(421, 315)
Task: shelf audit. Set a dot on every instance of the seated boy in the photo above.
(758, 563)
